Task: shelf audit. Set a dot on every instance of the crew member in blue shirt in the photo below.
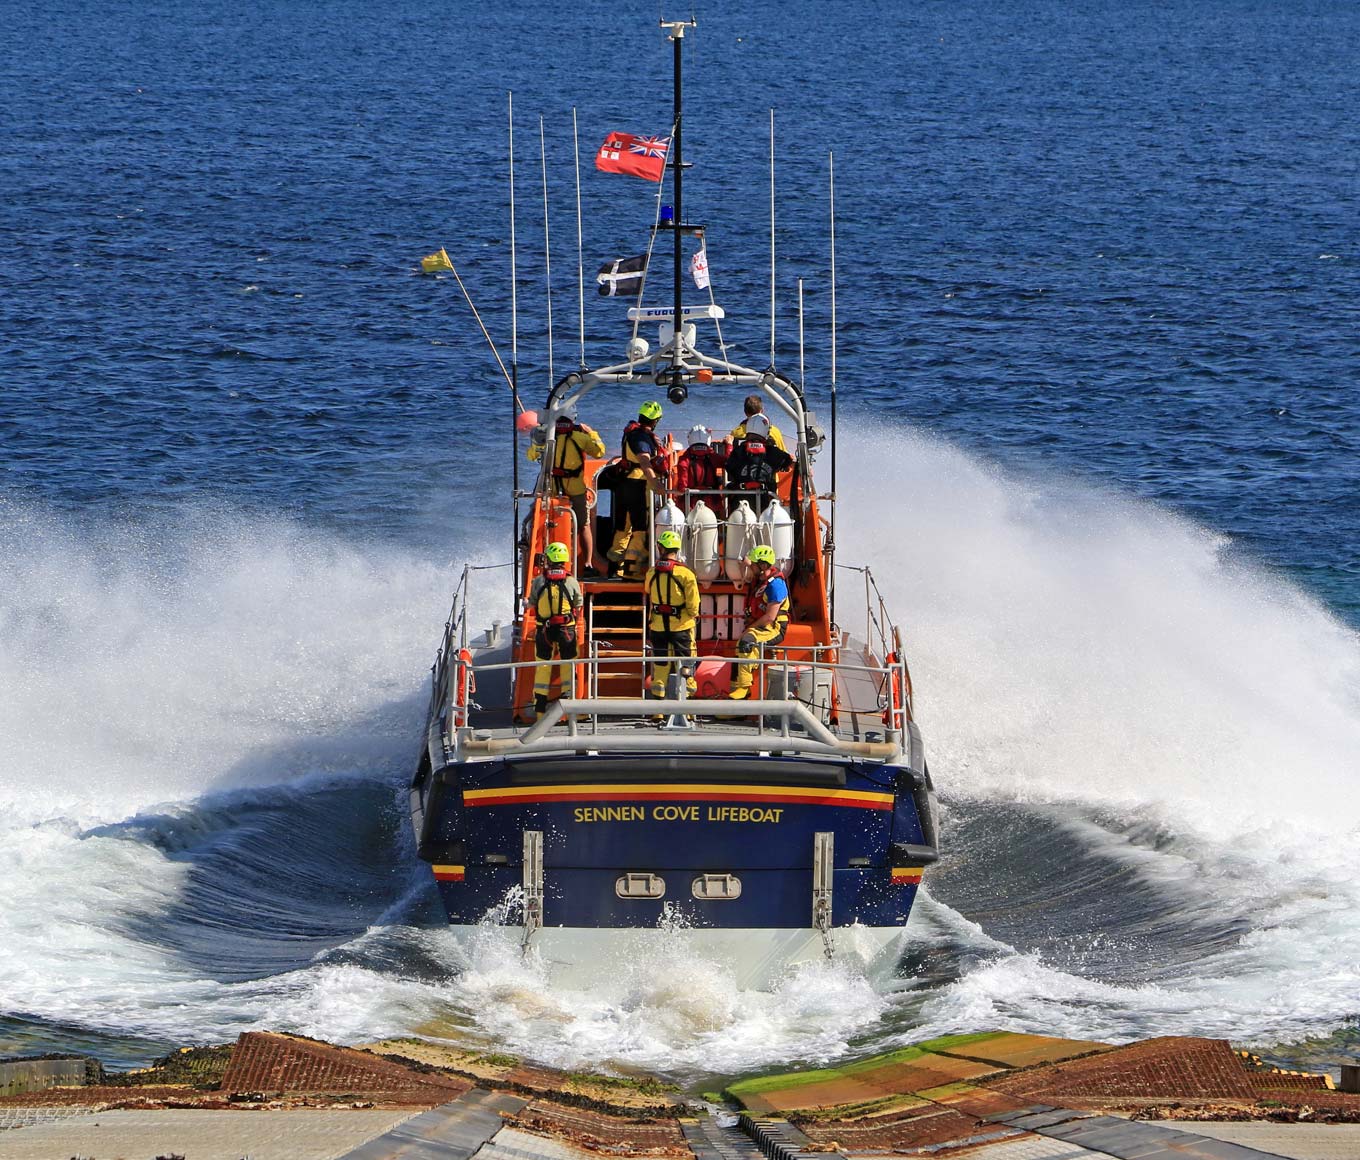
(767, 616)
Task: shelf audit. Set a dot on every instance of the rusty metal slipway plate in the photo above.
(1011, 1049)
(936, 1063)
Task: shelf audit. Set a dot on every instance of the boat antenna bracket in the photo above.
(675, 29)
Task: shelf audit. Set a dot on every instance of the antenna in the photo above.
(547, 247)
(514, 282)
(580, 249)
(514, 374)
(802, 373)
(831, 164)
(771, 237)
(675, 30)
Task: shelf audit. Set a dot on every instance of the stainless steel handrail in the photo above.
(540, 738)
(459, 716)
(881, 636)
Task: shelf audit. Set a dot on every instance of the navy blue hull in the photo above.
(770, 898)
(677, 819)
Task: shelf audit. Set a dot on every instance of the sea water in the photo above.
(1096, 286)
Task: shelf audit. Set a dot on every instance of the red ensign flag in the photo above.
(643, 157)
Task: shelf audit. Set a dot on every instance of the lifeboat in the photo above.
(588, 815)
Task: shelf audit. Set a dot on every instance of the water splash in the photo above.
(1070, 642)
(150, 663)
(1180, 717)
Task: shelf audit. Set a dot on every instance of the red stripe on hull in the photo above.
(609, 796)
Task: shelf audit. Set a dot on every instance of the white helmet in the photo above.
(757, 425)
(700, 436)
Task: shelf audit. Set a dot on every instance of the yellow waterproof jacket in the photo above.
(555, 599)
(739, 433)
(570, 453)
(673, 599)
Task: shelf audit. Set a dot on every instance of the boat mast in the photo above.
(676, 32)
(515, 407)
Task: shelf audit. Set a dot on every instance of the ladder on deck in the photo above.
(616, 627)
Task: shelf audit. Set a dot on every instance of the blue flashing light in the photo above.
(668, 213)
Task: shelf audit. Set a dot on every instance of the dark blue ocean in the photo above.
(1097, 366)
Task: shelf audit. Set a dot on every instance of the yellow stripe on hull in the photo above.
(670, 791)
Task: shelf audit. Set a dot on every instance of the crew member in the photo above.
(700, 467)
(573, 444)
(642, 475)
(673, 602)
(556, 598)
(755, 406)
(755, 463)
(767, 616)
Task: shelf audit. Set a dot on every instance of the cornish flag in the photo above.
(623, 278)
(643, 157)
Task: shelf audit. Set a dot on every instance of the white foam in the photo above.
(1071, 649)
(1077, 648)
(148, 664)
(1071, 643)
(670, 1011)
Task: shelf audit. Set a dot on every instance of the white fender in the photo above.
(776, 529)
(669, 516)
(740, 537)
(701, 542)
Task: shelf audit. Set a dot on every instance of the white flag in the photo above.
(698, 267)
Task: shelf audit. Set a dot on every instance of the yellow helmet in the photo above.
(557, 553)
(761, 554)
(650, 411)
(669, 539)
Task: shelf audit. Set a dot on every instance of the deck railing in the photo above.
(879, 717)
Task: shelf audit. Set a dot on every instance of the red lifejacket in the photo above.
(757, 600)
(563, 432)
(701, 468)
(664, 568)
(552, 606)
(630, 459)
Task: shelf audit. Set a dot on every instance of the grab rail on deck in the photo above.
(460, 735)
(540, 738)
(454, 671)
